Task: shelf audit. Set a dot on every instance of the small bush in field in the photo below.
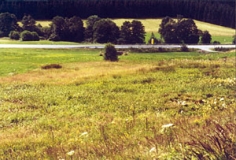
(52, 66)
(184, 48)
(110, 53)
(14, 35)
(29, 36)
(216, 42)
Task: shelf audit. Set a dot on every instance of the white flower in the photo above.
(70, 153)
(167, 125)
(153, 149)
(84, 134)
(215, 101)
(221, 99)
(183, 103)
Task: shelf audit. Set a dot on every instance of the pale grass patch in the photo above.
(42, 23)
(151, 25)
(23, 134)
(215, 29)
(75, 72)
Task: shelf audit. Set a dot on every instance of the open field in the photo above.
(146, 106)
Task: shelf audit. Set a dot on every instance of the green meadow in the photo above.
(172, 105)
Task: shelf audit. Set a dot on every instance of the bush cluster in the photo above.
(14, 35)
(29, 36)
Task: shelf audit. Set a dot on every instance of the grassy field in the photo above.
(219, 33)
(170, 105)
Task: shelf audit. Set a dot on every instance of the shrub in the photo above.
(26, 36)
(14, 35)
(234, 39)
(29, 36)
(35, 36)
(206, 37)
(110, 53)
(216, 42)
(222, 49)
(54, 37)
(184, 48)
(51, 66)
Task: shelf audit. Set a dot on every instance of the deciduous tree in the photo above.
(138, 32)
(126, 33)
(28, 23)
(8, 23)
(182, 31)
(206, 37)
(132, 33)
(68, 29)
(58, 28)
(167, 30)
(75, 31)
(105, 31)
(187, 32)
(91, 20)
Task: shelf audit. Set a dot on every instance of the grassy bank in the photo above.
(146, 106)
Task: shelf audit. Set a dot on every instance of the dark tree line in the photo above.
(98, 30)
(213, 11)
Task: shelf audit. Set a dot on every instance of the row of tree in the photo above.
(100, 30)
(213, 11)
(72, 29)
